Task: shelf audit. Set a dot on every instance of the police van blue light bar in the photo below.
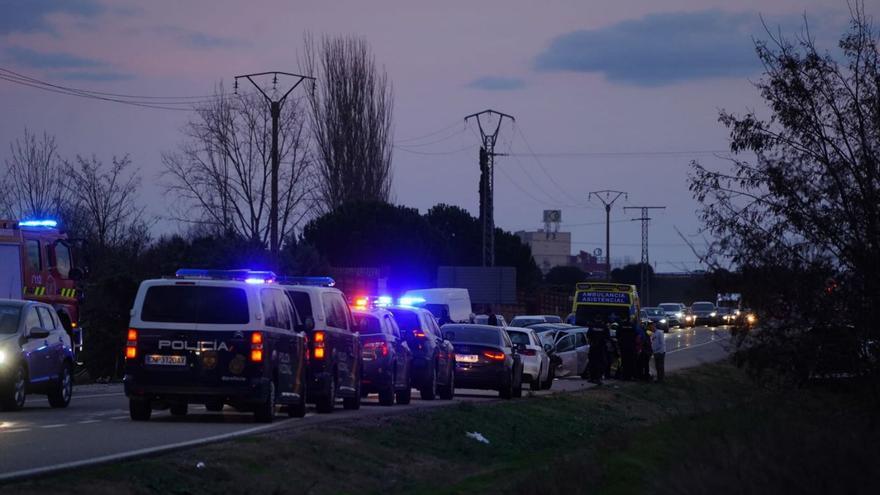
(248, 276)
(51, 224)
(411, 301)
(383, 301)
(317, 281)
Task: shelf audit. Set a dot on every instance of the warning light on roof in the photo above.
(51, 224)
(383, 301)
(318, 281)
(248, 276)
(411, 301)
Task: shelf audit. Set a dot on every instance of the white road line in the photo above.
(88, 421)
(120, 417)
(139, 452)
(54, 426)
(16, 430)
(698, 345)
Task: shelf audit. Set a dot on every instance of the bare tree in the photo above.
(220, 176)
(106, 203)
(34, 183)
(351, 117)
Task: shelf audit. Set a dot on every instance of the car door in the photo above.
(444, 348)
(55, 340)
(582, 348)
(37, 351)
(567, 352)
(539, 350)
(401, 349)
(276, 314)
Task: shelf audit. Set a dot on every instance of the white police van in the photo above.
(215, 337)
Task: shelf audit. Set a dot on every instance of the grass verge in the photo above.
(708, 430)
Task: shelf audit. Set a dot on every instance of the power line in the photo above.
(450, 152)
(575, 154)
(430, 134)
(429, 143)
(517, 129)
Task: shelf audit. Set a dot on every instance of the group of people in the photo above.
(629, 346)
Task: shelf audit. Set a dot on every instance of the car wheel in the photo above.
(179, 409)
(354, 403)
(61, 393)
(404, 396)
(140, 409)
(386, 394)
(506, 390)
(298, 410)
(517, 384)
(265, 411)
(214, 405)
(327, 402)
(15, 392)
(447, 392)
(535, 383)
(429, 390)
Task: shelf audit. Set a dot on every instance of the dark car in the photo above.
(213, 338)
(705, 313)
(675, 313)
(386, 357)
(433, 358)
(486, 359)
(334, 367)
(657, 316)
(35, 355)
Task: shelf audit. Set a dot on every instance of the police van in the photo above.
(215, 337)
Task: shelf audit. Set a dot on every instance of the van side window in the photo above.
(34, 260)
(284, 309)
(335, 317)
(302, 302)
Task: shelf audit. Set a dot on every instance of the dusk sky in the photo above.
(615, 94)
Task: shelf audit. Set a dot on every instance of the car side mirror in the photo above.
(38, 333)
(76, 274)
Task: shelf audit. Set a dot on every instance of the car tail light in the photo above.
(131, 344)
(319, 337)
(420, 334)
(257, 347)
(494, 355)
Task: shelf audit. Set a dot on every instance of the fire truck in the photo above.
(37, 263)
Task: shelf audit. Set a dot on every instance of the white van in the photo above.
(456, 303)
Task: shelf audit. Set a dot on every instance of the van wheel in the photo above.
(429, 390)
(14, 393)
(298, 410)
(179, 409)
(327, 402)
(386, 395)
(265, 411)
(404, 396)
(140, 409)
(447, 392)
(61, 392)
(354, 403)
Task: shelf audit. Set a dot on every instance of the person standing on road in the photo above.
(598, 336)
(645, 351)
(612, 352)
(626, 340)
(493, 319)
(658, 345)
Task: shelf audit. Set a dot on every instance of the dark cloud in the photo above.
(493, 83)
(100, 76)
(25, 57)
(30, 15)
(661, 49)
(196, 39)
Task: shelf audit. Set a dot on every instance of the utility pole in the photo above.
(487, 180)
(608, 197)
(644, 285)
(275, 105)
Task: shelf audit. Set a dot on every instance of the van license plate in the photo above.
(466, 358)
(162, 360)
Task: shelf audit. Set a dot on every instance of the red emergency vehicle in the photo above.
(37, 263)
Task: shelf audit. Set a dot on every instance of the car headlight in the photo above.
(688, 317)
(3, 357)
(679, 315)
(663, 321)
(751, 318)
(713, 314)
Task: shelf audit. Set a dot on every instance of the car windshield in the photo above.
(407, 321)
(704, 307)
(195, 304)
(654, 311)
(670, 307)
(473, 335)
(366, 324)
(524, 322)
(552, 319)
(9, 317)
(519, 338)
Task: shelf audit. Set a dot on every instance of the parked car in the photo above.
(36, 355)
(433, 358)
(334, 367)
(486, 359)
(526, 320)
(705, 313)
(536, 361)
(675, 313)
(572, 347)
(211, 337)
(454, 303)
(484, 320)
(726, 316)
(386, 357)
(656, 315)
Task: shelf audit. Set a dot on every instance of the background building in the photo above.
(549, 249)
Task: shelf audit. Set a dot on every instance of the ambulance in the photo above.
(605, 302)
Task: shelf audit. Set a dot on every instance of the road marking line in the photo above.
(53, 426)
(139, 452)
(699, 345)
(16, 430)
(120, 417)
(89, 421)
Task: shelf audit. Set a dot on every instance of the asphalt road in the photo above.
(96, 426)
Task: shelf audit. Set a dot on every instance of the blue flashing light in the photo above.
(411, 301)
(383, 301)
(51, 224)
(248, 276)
(316, 281)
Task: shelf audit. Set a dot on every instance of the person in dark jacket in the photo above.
(626, 341)
(598, 337)
(645, 351)
(493, 319)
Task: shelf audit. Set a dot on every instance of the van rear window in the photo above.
(196, 304)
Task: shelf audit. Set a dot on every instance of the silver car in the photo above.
(536, 361)
(572, 348)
